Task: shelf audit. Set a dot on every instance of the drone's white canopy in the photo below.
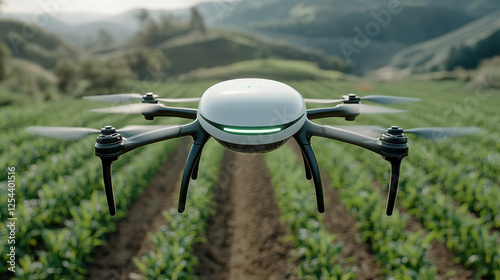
(251, 102)
(251, 105)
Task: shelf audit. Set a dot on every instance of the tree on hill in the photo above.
(67, 72)
(336, 63)
(104, 38)
(156, 32)
(4, 53)
(147, 64)
(197, 21)
(471, 56)
(104, 76)
(142, 16)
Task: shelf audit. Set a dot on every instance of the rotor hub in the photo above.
(394, 135)
(107, 130)
(352, 98)
(109, 136)
(395, 130)
(150, 98)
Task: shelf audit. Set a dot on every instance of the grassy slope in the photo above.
(434, 52)
(324, 25)
(34, 44)
(220, 48)
(263, 68)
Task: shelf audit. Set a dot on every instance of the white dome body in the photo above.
(251, 115)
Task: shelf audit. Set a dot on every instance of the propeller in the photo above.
(138, 108)
(370, 109)
(432, 133)
(126, 97)
(76, 133)
(380, 99)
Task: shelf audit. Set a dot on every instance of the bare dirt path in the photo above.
(245, 235)
(114, 261)
(338, 221)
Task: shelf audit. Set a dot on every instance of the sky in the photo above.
(111, 7)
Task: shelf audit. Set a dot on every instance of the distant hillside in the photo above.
(223, 48)
(263, 68)
(35, 44)
(433, 54)
(325, 24)
(192, 50)
(80, 28)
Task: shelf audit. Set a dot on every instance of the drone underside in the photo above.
(250, 116)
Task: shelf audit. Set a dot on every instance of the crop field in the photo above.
(254, 216)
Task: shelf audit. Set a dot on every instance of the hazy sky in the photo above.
(92, 6)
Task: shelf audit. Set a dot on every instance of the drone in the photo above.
(250, 116)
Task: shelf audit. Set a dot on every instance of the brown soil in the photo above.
(338, 221)
(443, 258)
(114, 261)
(245, 235)
(439, 254)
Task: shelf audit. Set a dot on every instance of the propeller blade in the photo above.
(133, 130)
(388, 100)
(64, 133)
(434, 133)
(77, 133)
(322, 101)
(119, 98)
(139, 108)
(431, 133)
(380, 99)
(179, 100)
(370, 109)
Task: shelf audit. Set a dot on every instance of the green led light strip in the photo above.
(252, 131)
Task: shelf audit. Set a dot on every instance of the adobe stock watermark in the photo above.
(31, 26)
(222, 8)
(363, 37)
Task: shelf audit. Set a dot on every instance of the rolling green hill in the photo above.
(34, 43)
(433, 54)
(223, 48)
(217, 47)
(276, 69)
(326, 25)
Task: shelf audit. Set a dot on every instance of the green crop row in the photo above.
(39, 150)
(68, 249)
(442, 181)
(402, 253)
(314, 247)
(173, 256)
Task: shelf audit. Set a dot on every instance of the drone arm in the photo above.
(337, 111)
(372, 144)
(164, 111)
(131, 143)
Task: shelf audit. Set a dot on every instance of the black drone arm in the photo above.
(337, 111)
(150, 110)
(393, 147)
(110, 145)
(164, 111)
